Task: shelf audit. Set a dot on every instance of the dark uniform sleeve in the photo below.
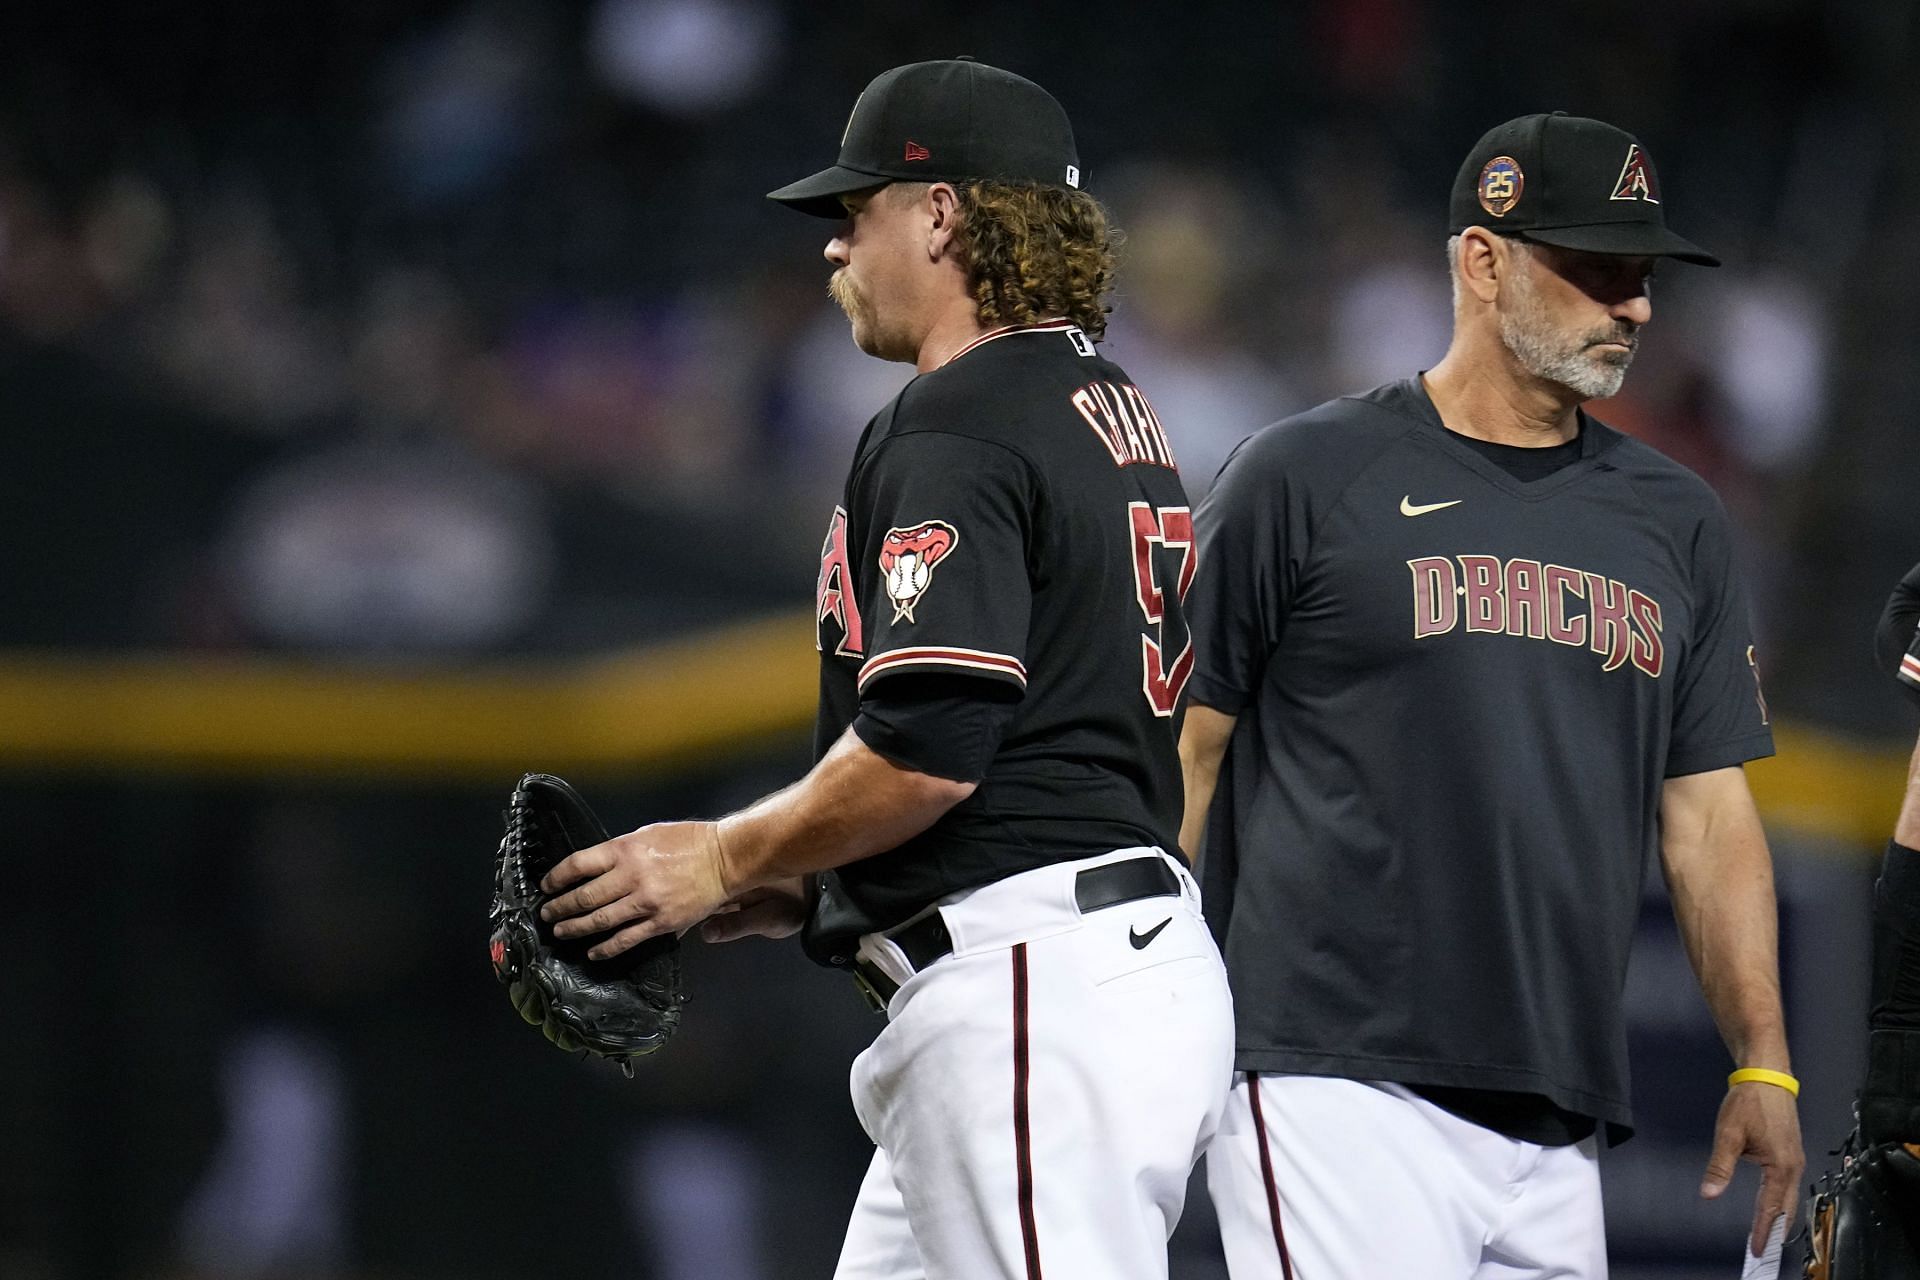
(1252, 530)
(946, 726)
(942, 523)
(1719, 710)
(1897, 639)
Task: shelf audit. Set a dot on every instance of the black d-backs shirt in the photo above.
(1014, 517)
(1459, 695)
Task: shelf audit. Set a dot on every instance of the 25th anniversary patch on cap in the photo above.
(1500, 185)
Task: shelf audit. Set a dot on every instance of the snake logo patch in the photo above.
(908, 557)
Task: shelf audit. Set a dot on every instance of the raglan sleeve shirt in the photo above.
(1253, 534)
(1719, 710)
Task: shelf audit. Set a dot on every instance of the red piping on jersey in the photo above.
(1022, 1133)
(1045, 326)
(1910, 667)
(971, 659)
(1266, 1174)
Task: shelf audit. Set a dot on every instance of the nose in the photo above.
(1635, 310)
(836, 250)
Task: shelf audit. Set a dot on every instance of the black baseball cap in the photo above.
(955, 120)
(1568, 181)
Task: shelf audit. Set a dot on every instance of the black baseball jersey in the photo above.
(1459, 695)
(1014, 516)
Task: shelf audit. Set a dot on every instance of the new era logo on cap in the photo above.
(917, 152)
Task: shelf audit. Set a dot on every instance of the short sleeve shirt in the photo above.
(1459, 694)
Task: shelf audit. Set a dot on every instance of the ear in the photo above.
(1484, 259)
(943, 204)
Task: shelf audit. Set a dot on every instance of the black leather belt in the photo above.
(927, 940)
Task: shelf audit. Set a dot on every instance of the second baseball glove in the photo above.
(1866, 1217)
(621, 1009)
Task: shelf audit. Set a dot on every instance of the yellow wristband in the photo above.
(1760, 1075)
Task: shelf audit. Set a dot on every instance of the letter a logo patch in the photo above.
(1636, 178)
(908, 557)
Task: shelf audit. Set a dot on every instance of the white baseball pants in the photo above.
(1039, 1097)
(1316, 1178)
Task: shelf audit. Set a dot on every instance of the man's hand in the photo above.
(663, 878)
(771, 911)
(1759, 1122)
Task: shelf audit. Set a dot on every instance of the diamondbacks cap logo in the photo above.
(917, 152)
(908, 557)
(1636, 178)
(1501, 183)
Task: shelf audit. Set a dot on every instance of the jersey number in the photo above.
(1170, 528)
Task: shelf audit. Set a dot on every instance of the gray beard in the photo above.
(1553, 356)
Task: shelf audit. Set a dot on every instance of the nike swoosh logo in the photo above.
(1140, 940)
(1408, 509)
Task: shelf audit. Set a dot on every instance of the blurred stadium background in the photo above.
(398, 394)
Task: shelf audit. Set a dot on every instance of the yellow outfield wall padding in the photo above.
(680, 703)
(1825, 784)
(683, 701)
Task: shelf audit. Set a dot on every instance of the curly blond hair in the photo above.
(1035, 252)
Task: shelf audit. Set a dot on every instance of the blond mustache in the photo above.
(842, 292)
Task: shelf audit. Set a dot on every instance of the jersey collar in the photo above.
(1007, 331)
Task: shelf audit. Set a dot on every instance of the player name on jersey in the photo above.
(1126, 424)
(1540, 601)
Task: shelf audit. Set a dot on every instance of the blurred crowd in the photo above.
(450, 328)
(419, 307)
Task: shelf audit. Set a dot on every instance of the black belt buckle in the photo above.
(922, 942)
(876, 986)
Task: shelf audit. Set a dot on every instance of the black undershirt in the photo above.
(1522, 462)
(1526, 1117)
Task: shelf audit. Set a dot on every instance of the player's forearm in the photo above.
(1906, 831)
(1203, 745)
(1714, 852)
(1731, 935)
(853, 804)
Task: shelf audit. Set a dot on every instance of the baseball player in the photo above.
(1866, 1214)
(1466, 658)
(1889, 1108)
(984, 840)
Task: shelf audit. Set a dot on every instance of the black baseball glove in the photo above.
(623, 1008)
(1866, 1217)
(1896, 643)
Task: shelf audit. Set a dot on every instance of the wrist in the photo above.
(1768, 1052)
(1760, 1075)
(732, 854)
